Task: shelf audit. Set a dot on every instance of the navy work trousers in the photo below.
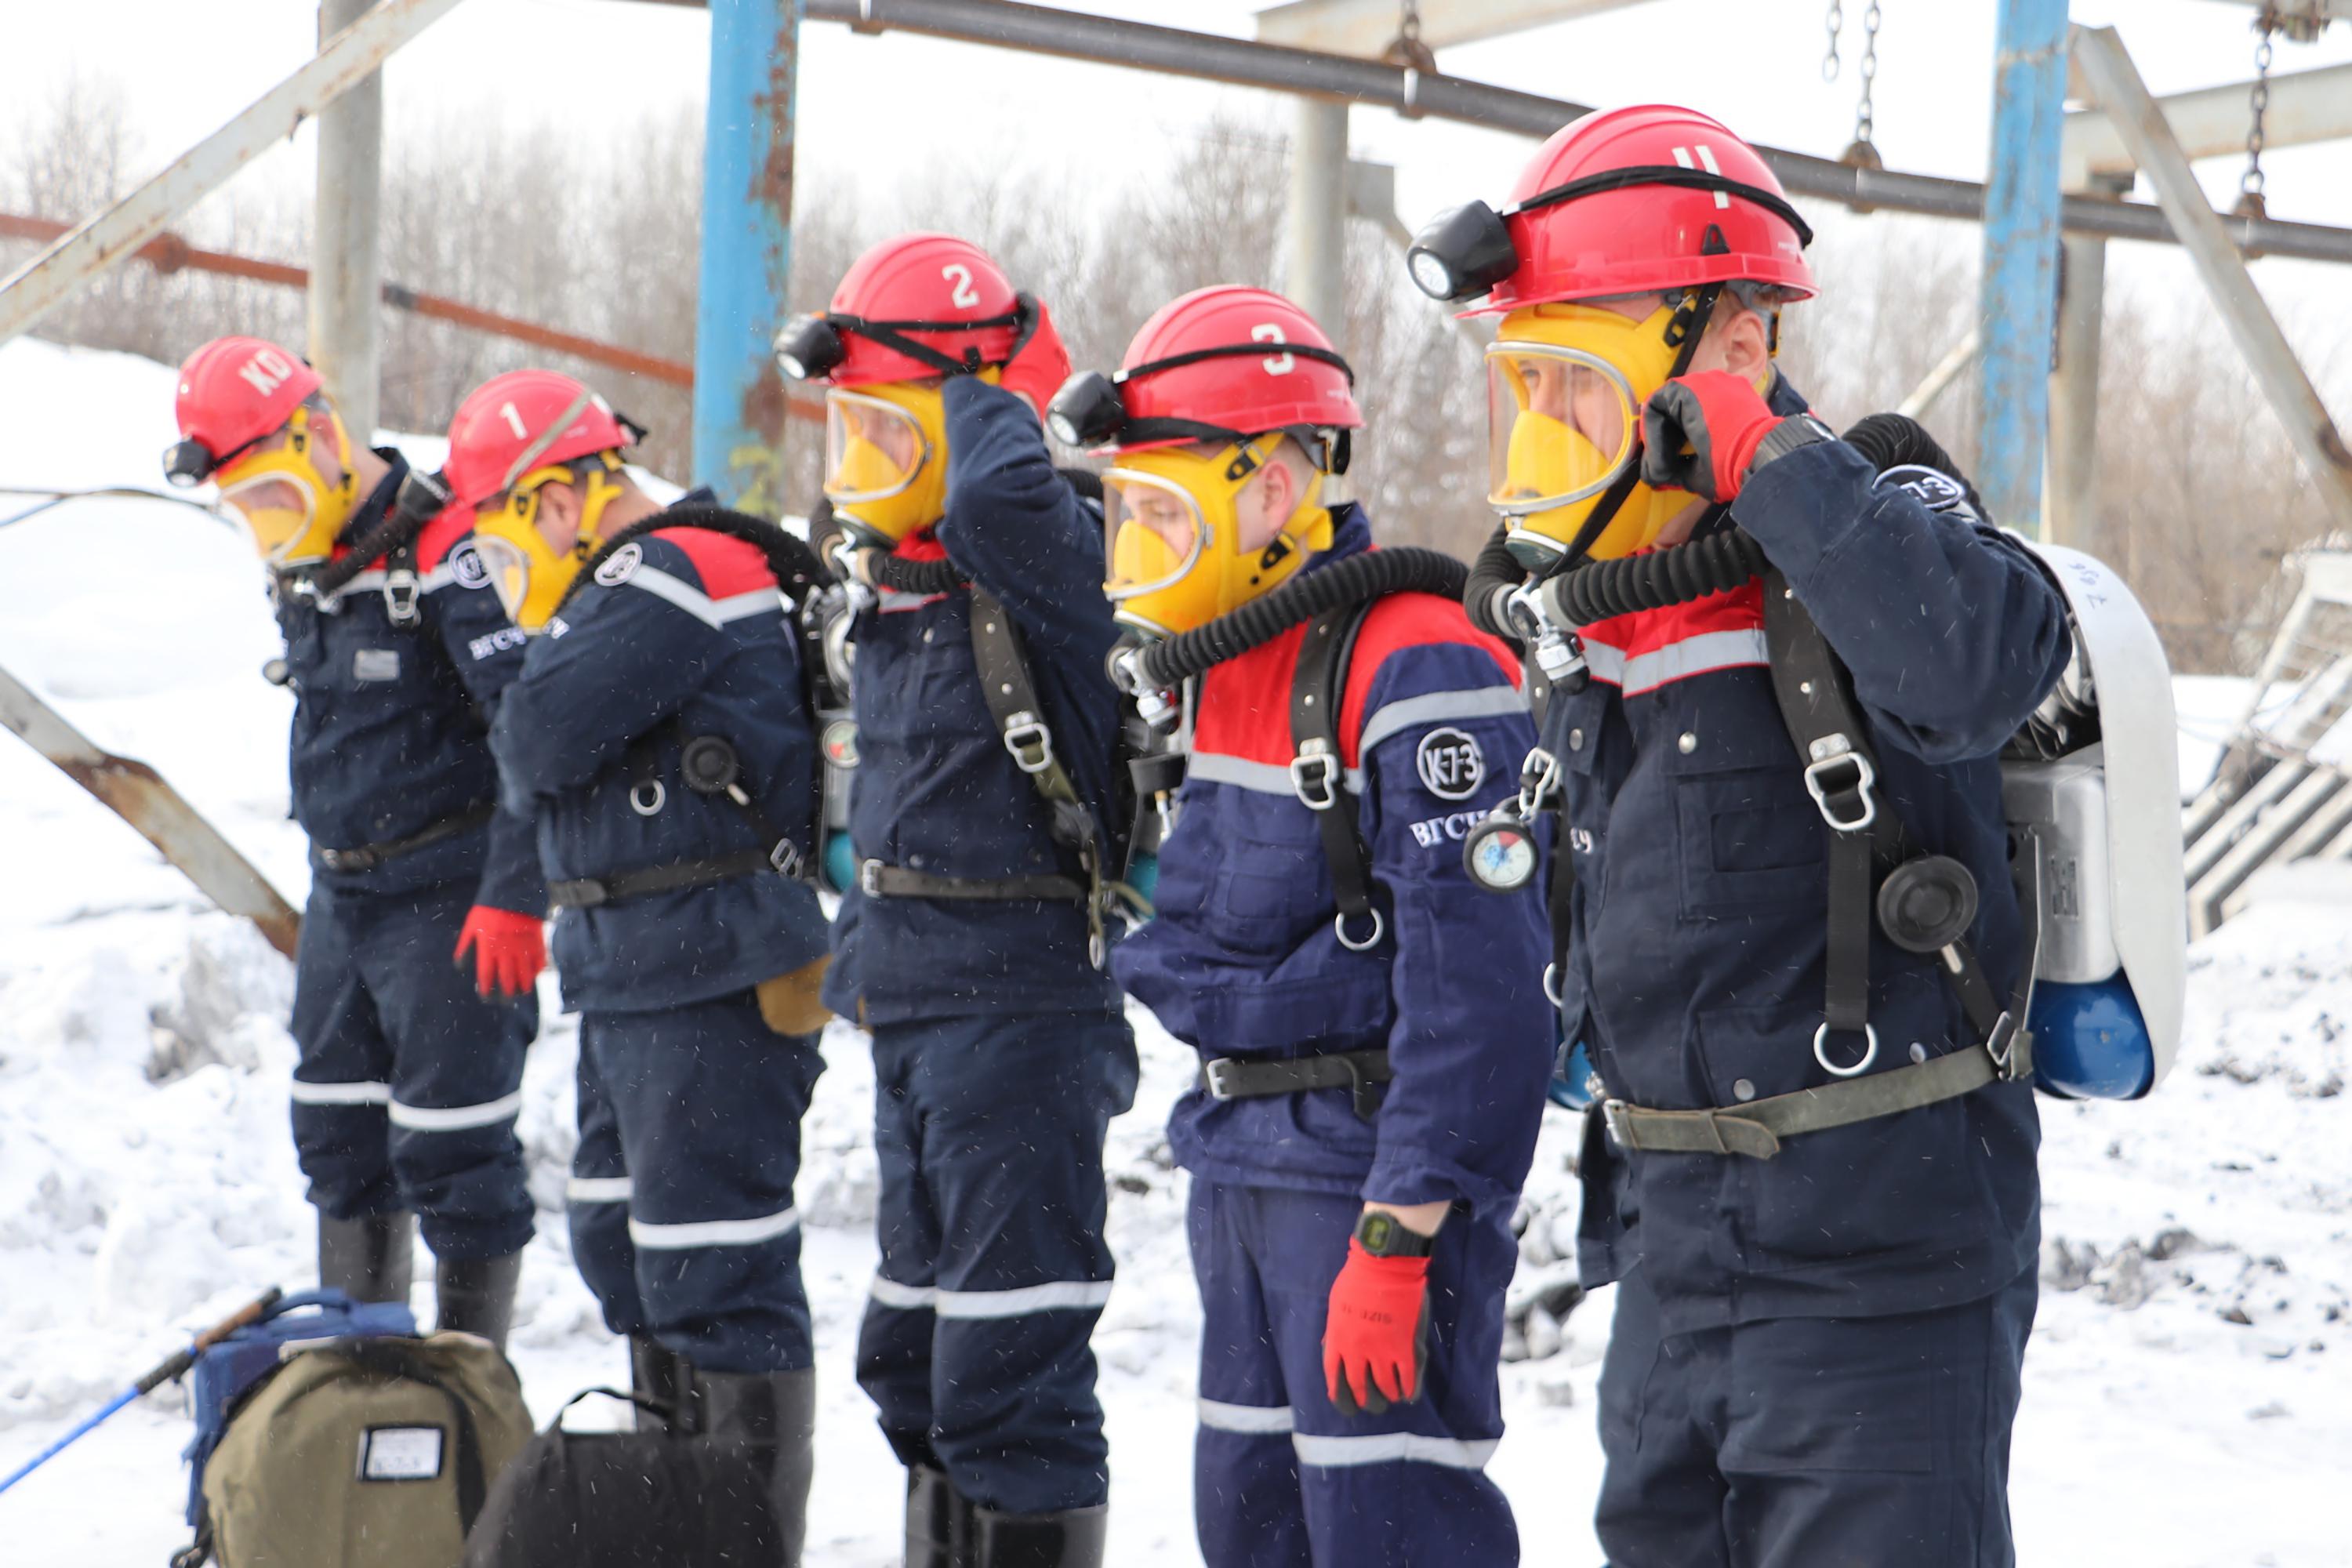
(1812, 1442)
(975, 1347)
(409, 1082)
(1281, 1478)
(681, 1191)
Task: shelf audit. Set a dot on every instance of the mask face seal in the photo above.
(1171, 517)
(530, 575)
(288, 507)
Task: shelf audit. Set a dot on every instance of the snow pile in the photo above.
(2189, 1394)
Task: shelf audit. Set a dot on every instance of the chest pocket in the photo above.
(1272, 892)
(1748, 836)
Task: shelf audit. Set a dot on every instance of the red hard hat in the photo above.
(234, 391)
(923, 278)
(523, 420)
(1648, 235)
(1251, 393)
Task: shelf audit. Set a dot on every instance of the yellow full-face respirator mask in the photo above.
(886, 449)
(287, 506)
(532, 575)
(1566, 384)
(1171, 516)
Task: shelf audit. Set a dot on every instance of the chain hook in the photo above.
(1406, 49)
(2250, 184)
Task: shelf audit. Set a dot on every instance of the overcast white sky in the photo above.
(895, 102)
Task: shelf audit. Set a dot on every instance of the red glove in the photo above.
(509, 950)
(1375, 1336)
(1720, 417)
(1038, 370)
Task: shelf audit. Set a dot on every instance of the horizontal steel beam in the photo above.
(2301, 19)
(2211, 122)
(1366, 27)
(1210, 56)
(342, 62)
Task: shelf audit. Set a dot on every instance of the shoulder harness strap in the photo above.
(1319, 773)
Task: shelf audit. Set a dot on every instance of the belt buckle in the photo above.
(1315, 777)
(1833, 753)
(869, 878)
(1213, 1077)
(1620, 1125)
(785, 858)
(1030, 741)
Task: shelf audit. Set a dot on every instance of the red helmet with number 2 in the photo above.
(927, 278)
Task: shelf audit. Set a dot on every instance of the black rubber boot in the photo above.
(939, 1520)
(770, 1407)
(477, 1295)
(373, 1258)
(1072, 1540)
(664, 1376)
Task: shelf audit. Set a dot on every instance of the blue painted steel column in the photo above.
(747, 215)
(2018, 304)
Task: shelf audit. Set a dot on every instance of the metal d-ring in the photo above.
(1869, 1052)
(648, 799)
(1340, 928)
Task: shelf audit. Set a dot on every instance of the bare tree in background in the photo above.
(2201, 500)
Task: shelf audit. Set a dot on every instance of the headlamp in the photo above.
(187, 464)
(1462, 253)
(1088, 411)
(809, 348)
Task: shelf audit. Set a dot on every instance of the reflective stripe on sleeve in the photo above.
(597, 1190)
(1265, 778)
(340, 1093)
(1438, 707)
(1700, 654)
(456, 1117)
(1267, 1420)
(1388, 1448)
(713, 1232)
(1055, 1296)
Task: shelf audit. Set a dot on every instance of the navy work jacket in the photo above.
(391, 720)
(1244, 959)
(681, 633)
(935, 790)
(1698, 929)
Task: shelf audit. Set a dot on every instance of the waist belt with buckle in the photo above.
(368, 857)
(594, 892)
(1365, 1074)
(876, 880)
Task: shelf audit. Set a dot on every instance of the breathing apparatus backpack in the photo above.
(2089, 788)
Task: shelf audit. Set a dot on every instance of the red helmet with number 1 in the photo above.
(512, 436)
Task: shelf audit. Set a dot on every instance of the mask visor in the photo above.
(1153, 533)
(1563, 425)
(873, 448)
(510, 567)
(278, 509)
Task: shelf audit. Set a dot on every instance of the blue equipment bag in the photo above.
(227, 1371)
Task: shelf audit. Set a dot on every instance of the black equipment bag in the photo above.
(628, 1499)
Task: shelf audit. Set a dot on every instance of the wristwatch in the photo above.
(1797, 430)
(1384, 1236)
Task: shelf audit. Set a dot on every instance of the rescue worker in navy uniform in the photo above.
(1001, 1051)
(1351, 1242)
(1813, 1174)
(411, 1069)
(659, 735)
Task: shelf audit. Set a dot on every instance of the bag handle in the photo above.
(654, 1407)
(387, 1357)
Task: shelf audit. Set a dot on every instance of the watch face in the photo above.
(1377, 1232)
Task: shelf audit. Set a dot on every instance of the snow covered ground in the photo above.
(2188, 1395)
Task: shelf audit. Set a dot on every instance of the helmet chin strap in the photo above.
(1691, 322)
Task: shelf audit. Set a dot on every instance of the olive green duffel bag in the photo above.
(370, 1452)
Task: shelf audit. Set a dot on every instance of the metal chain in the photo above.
(1863, 120)
(1835, 25)
(2251, 182)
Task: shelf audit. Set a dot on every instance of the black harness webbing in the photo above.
(596, 892)
(649, 796)
(1318, 772)
(368, 857)
(1867, 840)
(1364, 1074)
